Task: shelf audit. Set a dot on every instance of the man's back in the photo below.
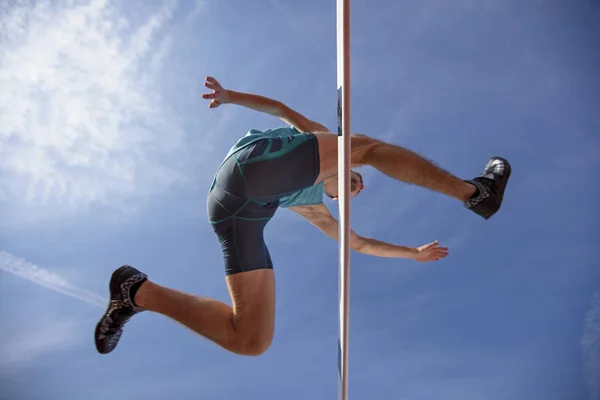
(290, 137)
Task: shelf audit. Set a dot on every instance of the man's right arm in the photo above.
(262, 104)
(276, 109)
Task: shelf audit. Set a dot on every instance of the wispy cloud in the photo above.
(590, 346)
(81, 116)
(48, 279)
(200, 6)
(53, 335)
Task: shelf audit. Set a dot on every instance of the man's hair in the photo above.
(360, 176)
(361, 181)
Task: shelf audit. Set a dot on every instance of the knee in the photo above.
(362, 146)
(358, 139)
(255, 344)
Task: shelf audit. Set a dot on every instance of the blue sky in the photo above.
(107, 152)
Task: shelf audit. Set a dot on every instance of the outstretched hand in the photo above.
(430, 252)
(218, 96)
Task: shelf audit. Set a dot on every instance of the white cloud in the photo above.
(81, 116)
(48, 279)
(590, 346)
(200, 6)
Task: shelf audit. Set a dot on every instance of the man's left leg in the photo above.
(246, 328)
(483, 194)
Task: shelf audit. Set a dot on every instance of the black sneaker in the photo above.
(491, 185)
(120, 309)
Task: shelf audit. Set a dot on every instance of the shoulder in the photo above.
(284, 130)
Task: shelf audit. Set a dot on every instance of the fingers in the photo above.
(212, 96)
(439, 253)
(435, 253)
(211, 83)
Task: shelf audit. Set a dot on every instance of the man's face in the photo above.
(356, 185)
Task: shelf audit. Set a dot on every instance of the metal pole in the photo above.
(344, 167)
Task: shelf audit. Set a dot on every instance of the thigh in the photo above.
(253, 298)
(328, 152)
(239, 225)
(249, 274)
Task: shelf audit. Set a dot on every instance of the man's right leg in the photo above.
(246, 328)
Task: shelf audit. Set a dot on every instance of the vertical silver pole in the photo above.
(344, 166)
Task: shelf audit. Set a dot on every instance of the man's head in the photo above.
(331, 185)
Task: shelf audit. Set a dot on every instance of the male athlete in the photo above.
(290, 167)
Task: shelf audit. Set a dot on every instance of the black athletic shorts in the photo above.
(246, 194)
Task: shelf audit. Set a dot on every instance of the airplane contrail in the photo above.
(48, 279)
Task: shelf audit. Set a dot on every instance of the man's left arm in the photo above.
(320, 217)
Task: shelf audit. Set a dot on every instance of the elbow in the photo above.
(280, 110)
(358, 244)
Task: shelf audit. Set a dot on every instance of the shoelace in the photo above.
(117, 316)
(489, 171)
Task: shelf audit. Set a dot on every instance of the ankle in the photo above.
(143, 294)
(467, 191)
